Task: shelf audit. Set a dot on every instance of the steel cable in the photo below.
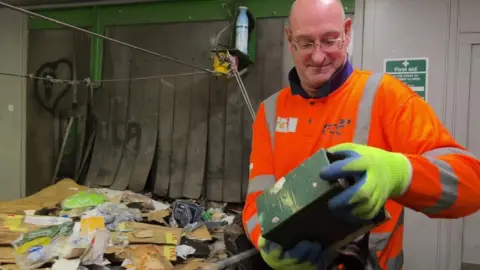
(88, 81)
(243, 90)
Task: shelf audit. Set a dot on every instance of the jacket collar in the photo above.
(337, 80)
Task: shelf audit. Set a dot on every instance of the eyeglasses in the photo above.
(326, 45)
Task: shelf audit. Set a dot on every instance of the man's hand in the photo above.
(379, 175)
(304, 256)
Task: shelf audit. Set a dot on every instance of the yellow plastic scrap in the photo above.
(219, 66)
(14, 223)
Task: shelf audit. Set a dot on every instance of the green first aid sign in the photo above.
(412, 71)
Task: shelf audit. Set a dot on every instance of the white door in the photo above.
(467, 132)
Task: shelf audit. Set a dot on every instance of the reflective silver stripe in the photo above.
(251, 223)
(401, 219)
(364, 113)
(270, 107)
(447, 151)
(260, 183)
(372, 263)
(449, 183)
(395, 263)
(379, 241)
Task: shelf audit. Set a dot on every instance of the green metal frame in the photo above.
(96, 50)
(163, 11)
(166, 11)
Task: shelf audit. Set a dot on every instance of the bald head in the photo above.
(311, 9)
(312, 23)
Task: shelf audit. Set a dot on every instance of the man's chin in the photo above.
(324, 70)
(319, 79)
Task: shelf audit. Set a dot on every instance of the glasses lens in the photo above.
(332, 45)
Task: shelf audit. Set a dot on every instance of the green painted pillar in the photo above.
(96, 53)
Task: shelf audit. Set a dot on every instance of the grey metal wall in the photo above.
(12, 105)
(44, 129)
(181, 136)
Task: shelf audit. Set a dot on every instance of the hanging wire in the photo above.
(151, 77)
(47, 78)
(88, 81)
(236, 74)
(103, 37)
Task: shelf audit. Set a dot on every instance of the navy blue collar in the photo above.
(337, 80)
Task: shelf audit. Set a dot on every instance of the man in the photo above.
(392, 141)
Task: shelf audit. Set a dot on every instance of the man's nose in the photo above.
(318, 55)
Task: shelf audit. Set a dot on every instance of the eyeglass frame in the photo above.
(321, 44)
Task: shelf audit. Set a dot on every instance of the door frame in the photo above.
(450, 231)
(457, 113)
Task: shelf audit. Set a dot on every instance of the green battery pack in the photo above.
(296, 208)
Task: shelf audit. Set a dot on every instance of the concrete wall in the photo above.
(13, 43)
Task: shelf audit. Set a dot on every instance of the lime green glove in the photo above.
(304, 256)
(379, 175)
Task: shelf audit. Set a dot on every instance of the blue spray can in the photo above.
(241, 40)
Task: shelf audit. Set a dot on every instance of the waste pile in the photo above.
(68, 227)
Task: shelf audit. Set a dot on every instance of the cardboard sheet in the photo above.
(157, 216)
(6, 255)
(12, 227)
(192, 264)
(199, 234)
(47, 197)
(148, 257)
(167, 251)
(153, 236)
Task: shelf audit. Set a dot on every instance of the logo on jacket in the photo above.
(336, 128)
(286, 124)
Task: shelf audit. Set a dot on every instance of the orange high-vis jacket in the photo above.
(380, 111)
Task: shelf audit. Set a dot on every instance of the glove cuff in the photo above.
(401, 170)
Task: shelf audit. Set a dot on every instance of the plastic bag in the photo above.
(114, 214)
(83, 199)
(36, 248)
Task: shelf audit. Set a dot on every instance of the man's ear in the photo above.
(288, 32)
(348, 29)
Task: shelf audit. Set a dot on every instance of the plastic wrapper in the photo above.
(36, 248)
(114, 214)
(94, 255)
(83, 199)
